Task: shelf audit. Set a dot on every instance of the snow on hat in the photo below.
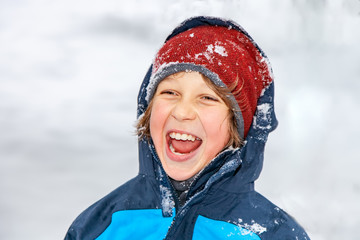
(226, 56)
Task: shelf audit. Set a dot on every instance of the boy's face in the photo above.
(189, 124)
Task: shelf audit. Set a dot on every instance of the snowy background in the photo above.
(69, 76)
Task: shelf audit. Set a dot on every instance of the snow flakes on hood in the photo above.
(262, 120)
(264, 110)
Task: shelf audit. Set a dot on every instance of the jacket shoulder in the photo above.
(255, 213)
(279, 224)
(96, 218)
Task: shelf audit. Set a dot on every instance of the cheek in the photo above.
(215, 121)
(217, 128)
(157, 121)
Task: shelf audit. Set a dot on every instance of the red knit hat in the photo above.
(226, 56)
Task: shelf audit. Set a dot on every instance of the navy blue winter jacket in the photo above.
(221, 203)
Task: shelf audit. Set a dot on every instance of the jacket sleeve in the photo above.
(289, 229)
(89, 224)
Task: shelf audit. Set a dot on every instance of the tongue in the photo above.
(181, 146)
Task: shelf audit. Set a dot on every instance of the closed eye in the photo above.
(210, 98)
(169, 92)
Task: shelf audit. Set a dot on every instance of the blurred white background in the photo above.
(69, 76)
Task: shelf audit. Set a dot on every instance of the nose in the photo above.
(184, 110)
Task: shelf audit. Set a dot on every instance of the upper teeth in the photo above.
(184, 137)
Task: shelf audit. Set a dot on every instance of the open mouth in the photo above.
(182, 143)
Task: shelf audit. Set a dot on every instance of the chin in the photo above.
(180, 176)
(178, 171)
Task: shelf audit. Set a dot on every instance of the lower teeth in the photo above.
(173, 150)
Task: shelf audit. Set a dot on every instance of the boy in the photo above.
(205, 109)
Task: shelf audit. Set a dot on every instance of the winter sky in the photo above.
(69, 76)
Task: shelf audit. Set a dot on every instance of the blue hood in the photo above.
(243, 163)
